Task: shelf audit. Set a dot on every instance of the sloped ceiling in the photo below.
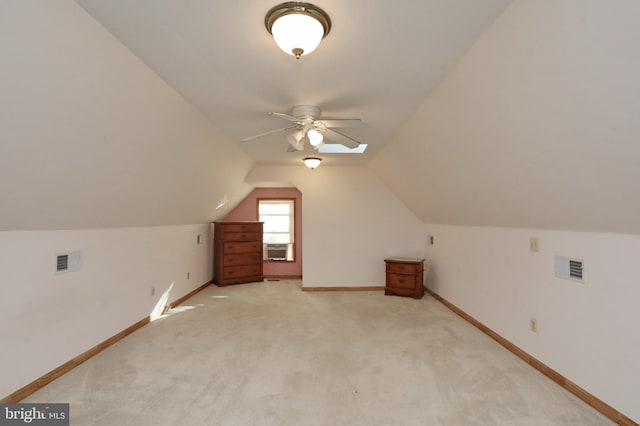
(91, 138)
(538, 125)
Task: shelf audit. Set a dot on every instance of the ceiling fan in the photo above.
(307, 126)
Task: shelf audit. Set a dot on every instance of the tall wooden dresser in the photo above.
(237, 252)
(404, 277)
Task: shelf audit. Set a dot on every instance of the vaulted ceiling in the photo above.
(379, 62)
(536, 127)
(489, 113)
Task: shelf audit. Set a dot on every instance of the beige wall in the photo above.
(350, 221)
(46, 319)
(91, 138)
(535, 133)
(588, 331)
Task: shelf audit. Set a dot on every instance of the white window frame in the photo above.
(292, 224)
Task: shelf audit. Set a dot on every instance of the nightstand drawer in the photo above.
(404, 268)
(401, 281)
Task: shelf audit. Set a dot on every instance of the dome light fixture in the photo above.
(297, 27)
(312, 162)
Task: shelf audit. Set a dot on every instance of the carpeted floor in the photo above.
(270, 354)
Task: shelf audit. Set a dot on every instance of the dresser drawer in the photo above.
(242, 259)
(241, 236)
(242, 247)
(401, 281)
(240, 227)
(231, 272)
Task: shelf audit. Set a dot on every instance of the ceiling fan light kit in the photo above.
(308, 126)
(315, 138)
(312, 162)
(297, 27)
(296, 140)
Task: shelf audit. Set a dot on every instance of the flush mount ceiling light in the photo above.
(312, 162)
(297, 27)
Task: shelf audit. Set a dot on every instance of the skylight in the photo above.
(336, 148)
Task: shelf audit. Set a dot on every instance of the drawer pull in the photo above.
(244, 236)
(401, 281)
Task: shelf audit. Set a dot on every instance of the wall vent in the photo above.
(570, 269)
(62, 263)
(575, 269)
(67, 262)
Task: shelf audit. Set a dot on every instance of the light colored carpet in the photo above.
(270, 354)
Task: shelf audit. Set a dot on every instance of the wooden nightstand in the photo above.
(404, 277)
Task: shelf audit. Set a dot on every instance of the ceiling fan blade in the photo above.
(286, 116)
(250, 138)
(341, 139)
(347, 122)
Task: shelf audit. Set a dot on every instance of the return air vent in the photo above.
(575, 269)
(67, 262)
(570, 269)
(62, 264)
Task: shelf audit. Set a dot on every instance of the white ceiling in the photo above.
(379, 63)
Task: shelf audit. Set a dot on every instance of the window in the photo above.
(279, 225)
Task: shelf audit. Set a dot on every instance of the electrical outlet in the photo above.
(533, 244)
(153, 291)
(533, 325)
(188, 274)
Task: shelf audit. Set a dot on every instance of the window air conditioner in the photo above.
(276, 252)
